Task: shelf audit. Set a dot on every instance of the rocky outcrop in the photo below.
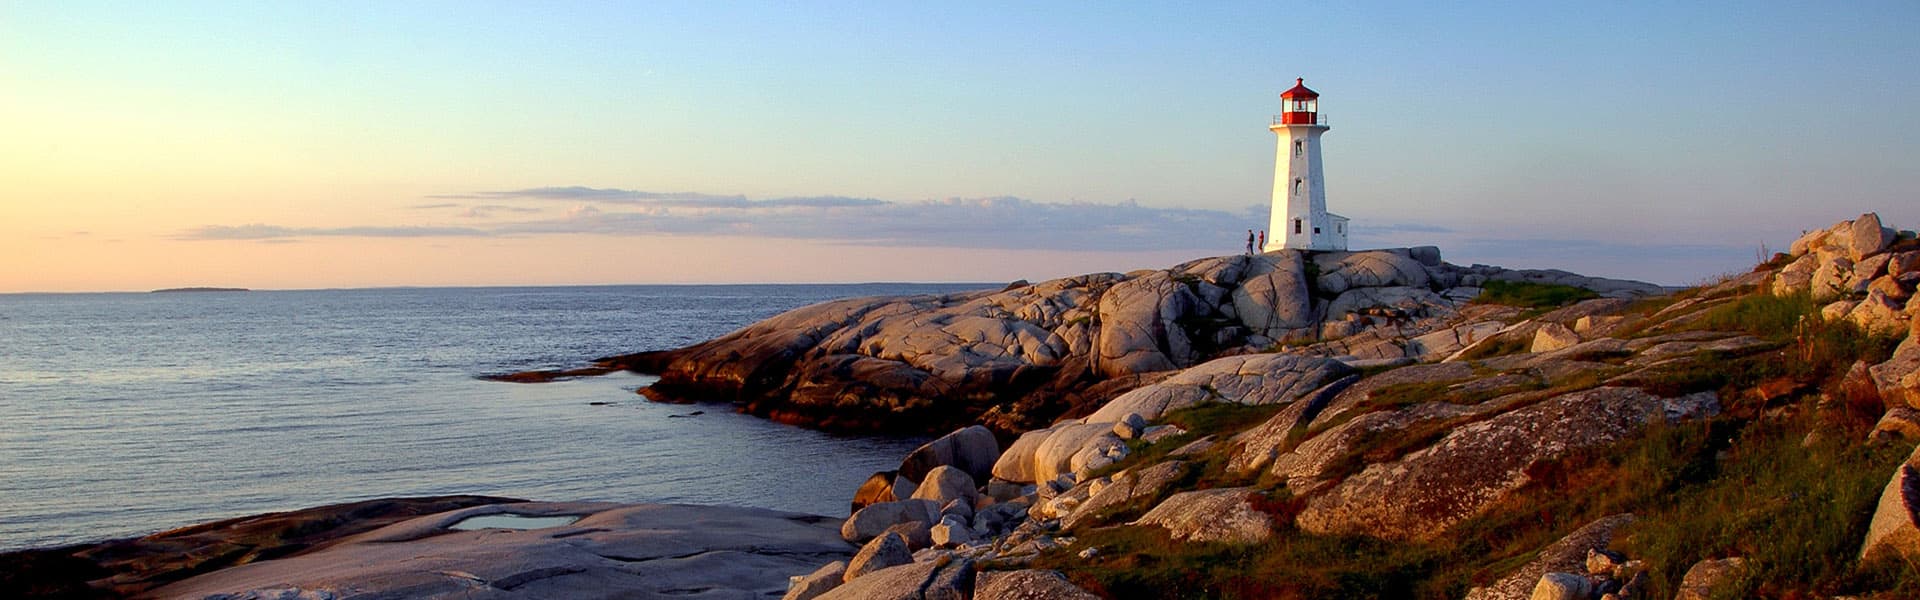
(1216, 515)
(1898, 379)
(1251, 379)
(1475, 465)
(133, 566)
(1895, 529)
(1019, 358)
(1027, 584)
(612, 551)
(1126, 488)
(888, 550)
(1567, 555)
(1710, 578)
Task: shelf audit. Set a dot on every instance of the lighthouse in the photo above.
(1300, 220)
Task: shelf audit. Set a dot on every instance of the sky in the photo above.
(281, 145)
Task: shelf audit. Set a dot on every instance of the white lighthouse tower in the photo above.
(1300, 220)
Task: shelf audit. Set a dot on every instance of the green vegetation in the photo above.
(1743, 484)
(1797, 514)
(1499, 346)
(1537, 296)
(1765, 316)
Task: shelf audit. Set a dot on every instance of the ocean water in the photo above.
(125, 414)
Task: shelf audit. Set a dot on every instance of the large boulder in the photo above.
(812, 585)
(1017, 463)
(1029, 584)
(612, 551)
(946, 484)
(1342, 271)
(876, 489)
(1215, 515)
(1898, 379)
(1273, 299)
(1252, 379)
(1879, 314)
(1421, 495)
(1868, 236)
(1139, 329)
(1567, 555)
(1125, 488)
(971, 450)
(1314, 460)
(1895, 529)
(874, 519)
(885, 551)
(1408, 301)
(1561, 586)
(1710, 578)
(944, 578)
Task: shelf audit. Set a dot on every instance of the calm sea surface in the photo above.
(124, 414)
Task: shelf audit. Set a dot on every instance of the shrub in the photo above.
(1527, 294)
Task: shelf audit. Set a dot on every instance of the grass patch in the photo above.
(1500, 345)
(1797, 515)
(1707, 489)
(1536, 296)
(1765, 316)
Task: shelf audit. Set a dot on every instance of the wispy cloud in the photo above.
(270, 232)
(996, 222)
(646, 198)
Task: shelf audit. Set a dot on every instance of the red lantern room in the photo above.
(1299, 106)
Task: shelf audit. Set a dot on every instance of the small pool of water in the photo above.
(512, 521)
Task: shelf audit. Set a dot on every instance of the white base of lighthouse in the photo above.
(1299, 218)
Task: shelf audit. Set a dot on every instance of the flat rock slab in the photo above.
(613, 551)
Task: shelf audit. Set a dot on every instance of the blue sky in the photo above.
(1657, 141)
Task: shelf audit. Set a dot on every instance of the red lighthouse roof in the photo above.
(1299, 90)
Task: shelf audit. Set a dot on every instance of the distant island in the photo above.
(199, 289)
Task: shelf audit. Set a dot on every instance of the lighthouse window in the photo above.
(1296, 186)
(1296, 147)
(1316, 231)
(1296, 227)
(1340, 229)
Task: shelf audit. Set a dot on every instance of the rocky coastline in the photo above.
(1355, 424)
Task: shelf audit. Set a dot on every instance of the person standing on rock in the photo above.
(1249, 242)
(1263, 241)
